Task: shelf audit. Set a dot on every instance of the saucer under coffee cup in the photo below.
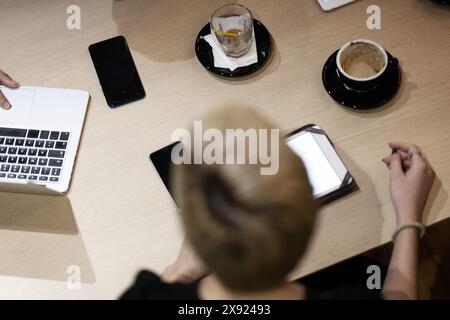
(365, 76)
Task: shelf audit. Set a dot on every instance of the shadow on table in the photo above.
(37, 213)
(40, 238)
(364, 197)
(165, 31)
(436, 200)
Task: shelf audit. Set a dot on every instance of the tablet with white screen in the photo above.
(326, 172)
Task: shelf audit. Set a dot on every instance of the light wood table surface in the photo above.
(118, 218)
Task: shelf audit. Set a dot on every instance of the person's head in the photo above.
(249, 229)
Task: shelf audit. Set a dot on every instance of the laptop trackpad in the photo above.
(21, 101)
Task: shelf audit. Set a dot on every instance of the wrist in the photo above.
(408, 216)
(409, 229)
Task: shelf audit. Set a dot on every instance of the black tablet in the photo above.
(326, 171)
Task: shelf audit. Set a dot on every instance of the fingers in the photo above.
(403, 146)
(410, 153)
(420, 165)
(410, 156)
(7, 81)
(417, 158)
(406, 163)
(396, 165)
(405, 158)
(4, 103)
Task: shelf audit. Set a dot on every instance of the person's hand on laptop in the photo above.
(6, 81)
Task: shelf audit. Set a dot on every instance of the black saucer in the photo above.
(263, 45)
(361, 100)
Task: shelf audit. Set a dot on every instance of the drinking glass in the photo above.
(232, 25)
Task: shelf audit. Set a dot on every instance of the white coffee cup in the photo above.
(361, 63)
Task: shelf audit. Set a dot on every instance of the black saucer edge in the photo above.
(369, 104)
(264, 49)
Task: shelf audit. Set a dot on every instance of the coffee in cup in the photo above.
(361, 63)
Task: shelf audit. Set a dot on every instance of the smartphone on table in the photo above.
(116, 71)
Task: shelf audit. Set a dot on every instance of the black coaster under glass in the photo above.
(362, 100)
(263, 48)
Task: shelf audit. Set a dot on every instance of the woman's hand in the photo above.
(411, 179)
(187, 268)
(7, 82)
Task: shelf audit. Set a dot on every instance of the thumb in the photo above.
(7, 81)
(396, 165)
(4, 103)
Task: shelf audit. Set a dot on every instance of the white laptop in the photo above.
(39, 138)
(329, 5)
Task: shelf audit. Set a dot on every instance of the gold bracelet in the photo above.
(416, 225)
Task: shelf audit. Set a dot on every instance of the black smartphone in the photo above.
(116, 71)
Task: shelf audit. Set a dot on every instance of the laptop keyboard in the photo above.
(33, 155)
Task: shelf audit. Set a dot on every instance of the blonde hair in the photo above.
(249, 229)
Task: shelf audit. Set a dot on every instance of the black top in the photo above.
(345, 281)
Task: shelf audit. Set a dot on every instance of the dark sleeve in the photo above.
(344, 281)
(344, 293)
(148, 286)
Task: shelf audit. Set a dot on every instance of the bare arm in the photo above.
(187, 268)
(411, 179)
(401, 279)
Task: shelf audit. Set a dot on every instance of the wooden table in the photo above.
(118, 218)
